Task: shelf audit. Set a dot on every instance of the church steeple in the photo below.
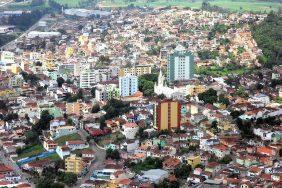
(161, 79)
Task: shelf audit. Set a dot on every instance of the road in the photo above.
(100, 156)
(5, 160)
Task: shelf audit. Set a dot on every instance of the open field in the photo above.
(234, 5)
(62, 140)
(31, 151)
(71, 3)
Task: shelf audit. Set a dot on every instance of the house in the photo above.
(50, 145)
(154, 176)
(4, 169)
(269, 151)
(220, 150)
(62, 131)
(88, 154)
(213, 167)
(193, 160)
(57, 122)
(63, 151)
(130, 130)
(77, 144)
(37, 165)
(171, 163)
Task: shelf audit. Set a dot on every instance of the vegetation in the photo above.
(62, 140)
(238, 5)
(209, 96)
(146, 84)
(268, 37)
(112, 154)
(218, 28)
(95, 108)
(50, 175)
(6, 38)
(115, 108)
(204, 55)
(147, 164)
(29, 151)
(182, 171)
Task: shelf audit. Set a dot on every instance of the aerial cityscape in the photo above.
(141, 93)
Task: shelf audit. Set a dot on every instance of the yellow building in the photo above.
(167, 115)
(15, 68)
(74, 164)
(136, 71)
(194, 160)
(196, 89)
(69, 52)
(74, 108)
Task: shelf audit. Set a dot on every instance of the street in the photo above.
(98, 163)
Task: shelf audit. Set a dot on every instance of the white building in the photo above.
(128, 85)
(34, 34)
(7, 60)
(106, 92)
(130, 130)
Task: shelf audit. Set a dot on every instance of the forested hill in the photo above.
(268, 36)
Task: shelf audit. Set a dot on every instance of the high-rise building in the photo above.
(180, 65)
(167, 115)
(74, 164)
(128, 85)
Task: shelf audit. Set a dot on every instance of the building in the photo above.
(180, 65)
(130, 130)
(154, 175)
(128, 85)
(50, 145)
(74, 108)
(136, 70)
(62, 131)
(167, 115)
(106, 92)
(7, 60)
(74, 164)
(88, 78)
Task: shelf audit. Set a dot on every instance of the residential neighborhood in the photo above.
(140, 97)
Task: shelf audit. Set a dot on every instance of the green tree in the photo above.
(209, 96)
(68, 178)
(60, 81)
(183, 171)
(112, 154)
(95, 108)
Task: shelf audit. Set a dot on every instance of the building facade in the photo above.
(128, 85)
(136, 70)
(74, 164)
(180, 65)
(106, 92)
(167, 115)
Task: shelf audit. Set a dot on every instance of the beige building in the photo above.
(74, 164)
(136, 71)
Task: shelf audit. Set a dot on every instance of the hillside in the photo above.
(233, 5)
(269, 38)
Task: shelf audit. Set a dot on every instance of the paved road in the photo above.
(100, 156)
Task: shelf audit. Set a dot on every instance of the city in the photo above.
(93, 95)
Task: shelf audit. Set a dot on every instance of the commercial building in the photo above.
(167, 115)
(89, 77)
(180, 65)
(74, 164)
(136, 70)
(128, 85)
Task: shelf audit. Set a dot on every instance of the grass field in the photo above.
(62, 140)
(234, 5)
(71, 3)
(31, 151)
